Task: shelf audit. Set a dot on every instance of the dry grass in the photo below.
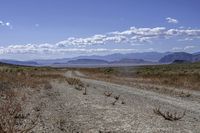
(16, 77)
(13, 79)
(12, 117)
(175, 75)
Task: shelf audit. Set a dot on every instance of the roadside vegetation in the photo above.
(17, 83)
(185, 76)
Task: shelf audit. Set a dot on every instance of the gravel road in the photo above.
(66, 109)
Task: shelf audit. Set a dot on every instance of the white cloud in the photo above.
(1, 23)
(6, 24)
(132, 36)
(177, 49)
(52, 49)
(183, 48)
(171, 20)
(188, 47)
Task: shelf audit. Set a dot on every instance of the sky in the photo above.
(47, 29)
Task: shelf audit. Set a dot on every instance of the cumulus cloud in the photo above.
(171, 20)
(132, 36)
(5, 24)
(183, 48)
(53, 49)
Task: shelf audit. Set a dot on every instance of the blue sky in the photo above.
(32, 29)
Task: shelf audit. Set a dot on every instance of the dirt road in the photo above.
(64, 109)
(136, 115)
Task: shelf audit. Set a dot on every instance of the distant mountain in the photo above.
(180, 62)
(183, 56)
(117, 58)
(149, 56)
(24, 63)
(5, 64)
(97, 62)
(131, 61)
(197, 53)
(47, 62)
(196, 58)
(87, 61)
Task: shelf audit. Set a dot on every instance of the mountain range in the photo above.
(114, 59)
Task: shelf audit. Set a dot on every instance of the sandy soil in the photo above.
(65, 109)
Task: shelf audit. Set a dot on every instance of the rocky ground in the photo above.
(65, 108)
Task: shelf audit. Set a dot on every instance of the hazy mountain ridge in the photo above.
(131, 61)
(15, 62)
(117, 58)
(87, 61)
(150, 56)
(180, 56)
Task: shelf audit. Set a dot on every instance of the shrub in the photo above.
(11, 114)
(74, 81)
(169, 115)
(107, 93)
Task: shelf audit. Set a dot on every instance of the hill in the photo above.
(131, 61)
(87, 61)
(196, 58)
(23, 63)
(177, 56)
(148, 56)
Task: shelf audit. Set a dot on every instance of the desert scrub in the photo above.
(12, 116)
(167, 115)
(109, 70)
(185, 76)
(75, 82)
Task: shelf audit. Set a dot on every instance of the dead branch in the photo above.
(117, 97)
(107, 93)
(85, 91)
(169, 115)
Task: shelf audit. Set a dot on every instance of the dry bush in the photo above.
(117, 97)
(113, 103)
(12, 119)
(169, 115)
(184, 94)
(108, 93)
(74, 81)
(77, 83)
(28, 78)
(175, 75)
(123, 102)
